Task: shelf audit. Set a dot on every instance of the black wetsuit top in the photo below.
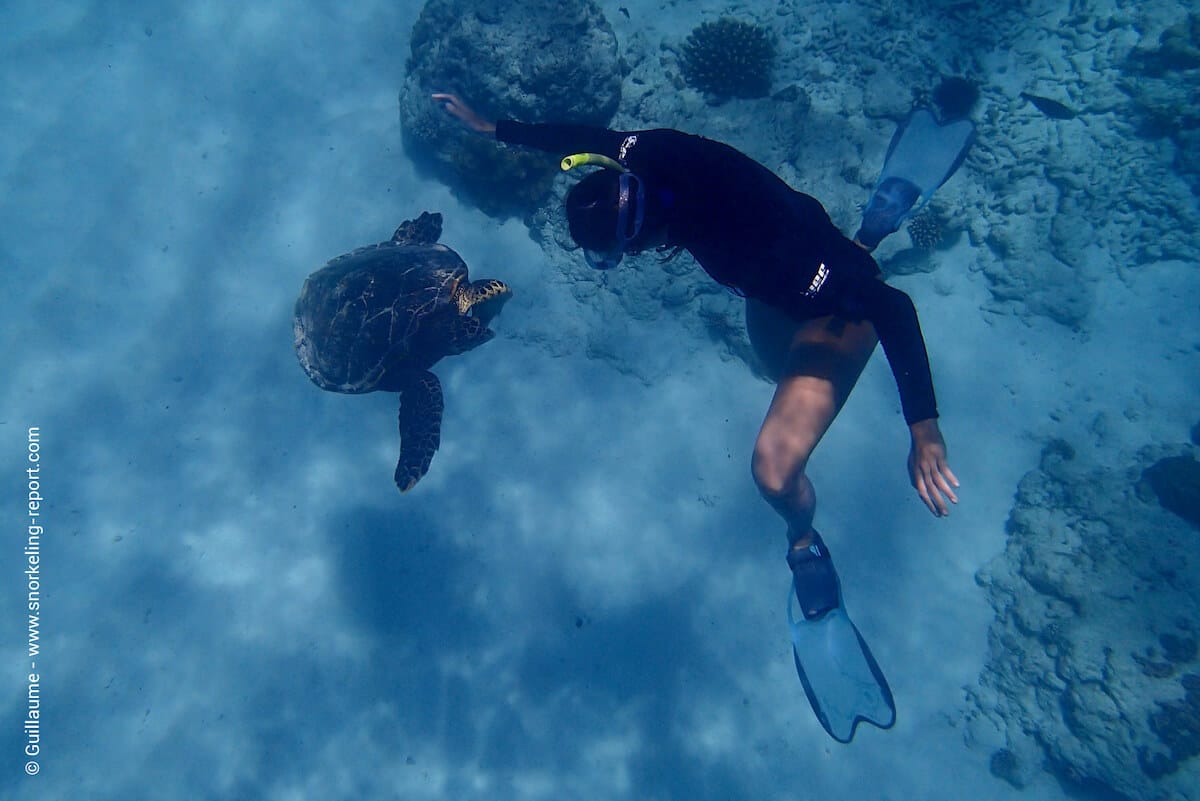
(755, 234)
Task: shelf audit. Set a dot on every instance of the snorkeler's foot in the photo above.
(814, 578)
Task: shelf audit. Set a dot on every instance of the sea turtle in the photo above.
(380, 316)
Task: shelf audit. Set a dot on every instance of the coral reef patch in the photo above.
(1163, 79)
(1067, 202)
(1093, 669)
(1177, 724)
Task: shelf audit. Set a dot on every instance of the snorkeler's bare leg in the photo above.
(826, 358)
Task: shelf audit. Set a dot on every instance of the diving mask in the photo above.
(631, 209)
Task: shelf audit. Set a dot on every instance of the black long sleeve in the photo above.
(561, 139)
(895, 319)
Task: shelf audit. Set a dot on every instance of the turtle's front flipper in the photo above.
(420, 427)
(465, 333)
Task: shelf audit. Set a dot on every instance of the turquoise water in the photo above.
(583, 598)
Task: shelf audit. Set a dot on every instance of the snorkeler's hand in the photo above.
(931, 475)
(455, 107)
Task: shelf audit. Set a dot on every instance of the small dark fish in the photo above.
(624, 11)
(1051, 108)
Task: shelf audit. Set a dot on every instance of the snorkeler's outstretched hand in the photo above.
(455, 107)
(932, 477)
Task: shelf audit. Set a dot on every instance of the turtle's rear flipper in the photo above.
(420, 427)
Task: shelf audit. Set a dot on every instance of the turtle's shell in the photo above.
(374, 311)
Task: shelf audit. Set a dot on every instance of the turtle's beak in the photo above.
(485, 310)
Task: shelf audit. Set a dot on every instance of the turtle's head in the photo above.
(483, 299)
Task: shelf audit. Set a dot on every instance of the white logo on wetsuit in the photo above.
(629, 142)
(818, 280)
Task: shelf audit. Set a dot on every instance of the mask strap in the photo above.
(627, 230)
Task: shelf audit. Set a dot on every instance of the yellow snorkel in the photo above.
(580, 159)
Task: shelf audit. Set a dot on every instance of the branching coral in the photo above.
(729, 58)
(927, 229)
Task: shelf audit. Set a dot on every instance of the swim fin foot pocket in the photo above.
(814, 579)
(841, 678)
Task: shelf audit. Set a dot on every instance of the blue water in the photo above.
(583, 598)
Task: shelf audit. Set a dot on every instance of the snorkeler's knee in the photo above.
(776, 469)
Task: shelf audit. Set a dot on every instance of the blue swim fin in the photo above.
(841, 678)
(922, 156)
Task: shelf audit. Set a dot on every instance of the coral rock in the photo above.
(534, 61)
(1176, 482)
(1094, 643)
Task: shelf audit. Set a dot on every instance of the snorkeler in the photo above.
(816, 306)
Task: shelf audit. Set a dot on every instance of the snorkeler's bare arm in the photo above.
(455, 107)
(931, 475)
